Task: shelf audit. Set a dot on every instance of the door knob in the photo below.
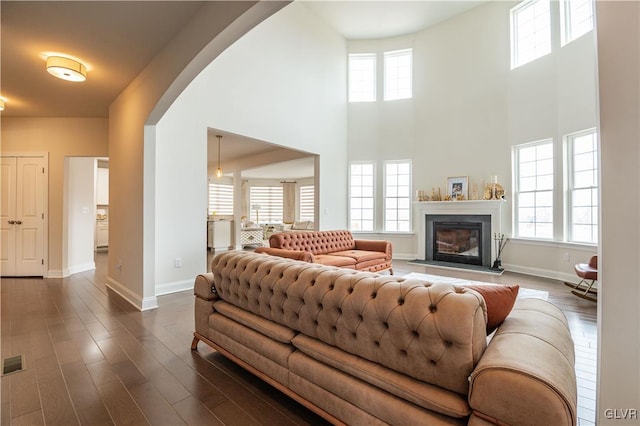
(11, 222)
(18, 222)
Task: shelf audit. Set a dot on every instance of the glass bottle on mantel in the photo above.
(474, 191)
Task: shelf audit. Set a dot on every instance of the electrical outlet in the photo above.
(566, 257)
(178, 262)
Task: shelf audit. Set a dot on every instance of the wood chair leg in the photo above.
(194, 343)
(587, 293)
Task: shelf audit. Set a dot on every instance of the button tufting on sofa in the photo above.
(426, 362)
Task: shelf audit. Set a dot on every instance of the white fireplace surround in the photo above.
(475, 207)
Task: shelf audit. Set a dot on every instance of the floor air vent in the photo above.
(12, 364)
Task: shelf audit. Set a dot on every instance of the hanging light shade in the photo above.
(66, 68)
(219, 169)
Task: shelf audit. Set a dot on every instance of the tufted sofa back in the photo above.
(434, 333)
(316, 242)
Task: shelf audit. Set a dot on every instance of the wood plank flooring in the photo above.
(91, 358)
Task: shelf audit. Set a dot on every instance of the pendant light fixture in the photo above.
(219, 170)
(66, 68)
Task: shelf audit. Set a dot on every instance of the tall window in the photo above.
(576, 19)
(530, 31)
(307, 197)
(397, 196)
(361, 200)
(533, 164)
(583, 187)
(398, 74)
(265, 204)
(362, 77)
(220, 198)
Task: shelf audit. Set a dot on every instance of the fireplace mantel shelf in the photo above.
(465, 202)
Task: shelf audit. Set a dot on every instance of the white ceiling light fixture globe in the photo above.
(66, 68)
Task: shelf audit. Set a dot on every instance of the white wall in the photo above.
(284, 83)
(468, 109)
(79, 214)
(132, 119)
(618, 31)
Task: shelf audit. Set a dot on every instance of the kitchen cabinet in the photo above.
(102, 234)
(102, 187)
(219, 234)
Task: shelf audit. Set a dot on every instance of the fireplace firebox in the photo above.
(459, 239)
(458, 242)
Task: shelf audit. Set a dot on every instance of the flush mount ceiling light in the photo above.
(66, 68)
(219, 170)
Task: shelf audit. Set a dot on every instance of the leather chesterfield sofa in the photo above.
(361, 348)
(333, 248)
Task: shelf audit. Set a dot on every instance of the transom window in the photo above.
(397, 196)
(576, 19)
(398, 74)
(583, 187)
(362, 77)
(361, 196)
(530, 31)
(533, 164)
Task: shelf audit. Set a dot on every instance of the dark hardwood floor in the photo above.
(91, 358)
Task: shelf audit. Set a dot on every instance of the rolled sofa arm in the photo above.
(205, 297)
(526, 375)
(304, 256)
(375, 245)
(203, 287)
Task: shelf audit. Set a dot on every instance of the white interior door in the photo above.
(23, 216)
(7, 216)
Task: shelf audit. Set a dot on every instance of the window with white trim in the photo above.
(397, 196)
(533, 196)
(220, 199)
(307, 202)
(361, 196)
(269, 199)
(576, 19)
(398, 75)
(583, 187)
(530, 31)
(362, 77)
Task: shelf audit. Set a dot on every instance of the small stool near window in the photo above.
(588, 272)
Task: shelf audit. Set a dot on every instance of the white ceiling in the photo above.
(383, 19)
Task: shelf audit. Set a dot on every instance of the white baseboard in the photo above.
(405, 256)
(141, 304)
(174, 287)
(543, 273)
(76, 269)
(54, 273)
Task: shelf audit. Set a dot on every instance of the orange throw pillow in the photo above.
(499, 300)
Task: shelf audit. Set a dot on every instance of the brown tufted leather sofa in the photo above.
(361, 348)
(333, 248)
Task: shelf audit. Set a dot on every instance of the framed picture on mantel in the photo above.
(458, 187)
